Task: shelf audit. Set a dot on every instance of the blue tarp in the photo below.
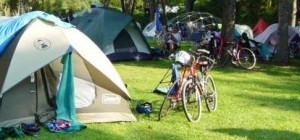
(9, 28)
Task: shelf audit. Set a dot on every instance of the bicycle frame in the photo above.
(182, 78)
(186, 71)
(199, 65)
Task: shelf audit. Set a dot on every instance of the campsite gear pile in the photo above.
(145, 108)
(58, 125)
(15, 132)
(30, 129)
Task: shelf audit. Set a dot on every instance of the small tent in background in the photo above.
(149, 30)
(271, 37)
(259, 27)
(240, 29)
(31, 50)
(116, 33)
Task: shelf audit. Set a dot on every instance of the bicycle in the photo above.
(239, 55)
(195, 88)
(173, 95)
(180, 91)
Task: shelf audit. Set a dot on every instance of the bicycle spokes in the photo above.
(246, 58)
(210, 94)
(191, 101)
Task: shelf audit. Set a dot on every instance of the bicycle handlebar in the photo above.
(198, 52)
(201, 51)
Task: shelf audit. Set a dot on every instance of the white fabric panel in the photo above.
(84, 91)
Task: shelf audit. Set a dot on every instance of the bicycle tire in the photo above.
(210, 95)
(191, 101)
(246, 58)
(221, 59)
(167, 105)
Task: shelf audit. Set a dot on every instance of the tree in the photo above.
(128, 6)
(284, 8)
(57, 7)
(293, 13)
(228, 19)
(189, 5)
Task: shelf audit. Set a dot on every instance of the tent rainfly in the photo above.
(116, 33)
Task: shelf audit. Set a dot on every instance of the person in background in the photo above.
(172, 40)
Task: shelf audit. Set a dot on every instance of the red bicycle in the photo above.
(240, 56)
(189, 88)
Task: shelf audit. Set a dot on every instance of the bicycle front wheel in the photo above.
(191, 101)
(246, 58)
(168, 102)
(210, 94)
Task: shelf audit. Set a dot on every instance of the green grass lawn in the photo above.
(252, 104)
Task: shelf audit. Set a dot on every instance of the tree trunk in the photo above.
(122, 3)
(293, 13)
(228, 20)
(153, 4)
(164, 15)
(189, 5)
(105, 3)
(283, 18)
(132, 7)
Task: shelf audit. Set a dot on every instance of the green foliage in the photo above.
(62, 7)
(247, 12)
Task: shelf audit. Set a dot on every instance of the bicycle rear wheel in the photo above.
(168, 102)
(191, 101)
(210, 97)
(246, 58)
(221, 57)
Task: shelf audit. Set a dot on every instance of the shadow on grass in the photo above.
(270, 68)
(283, 95)
(286, 104)
(260, 134)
